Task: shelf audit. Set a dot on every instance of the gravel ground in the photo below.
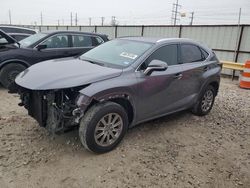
(180, 150)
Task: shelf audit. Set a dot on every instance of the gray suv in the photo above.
(118, 85)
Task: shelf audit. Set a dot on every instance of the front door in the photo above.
(161, 91)
(57, 47)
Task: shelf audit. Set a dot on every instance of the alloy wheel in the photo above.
(108, 129)
(207, 100)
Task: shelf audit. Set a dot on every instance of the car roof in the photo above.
(16, 27)
(157, 40)
(52, 32)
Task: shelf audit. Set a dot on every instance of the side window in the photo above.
(167, 54)
(19, 37)
(204, 53)
(96, 41)
(191, 53)
(57, 41)
(81, 41)
(3, 40)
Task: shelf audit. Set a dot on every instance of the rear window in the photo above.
(191, 53)
(86, 41)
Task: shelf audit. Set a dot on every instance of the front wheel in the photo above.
(9, 73)
(103, 127)
(205, 103)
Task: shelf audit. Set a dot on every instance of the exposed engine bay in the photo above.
(56, 110)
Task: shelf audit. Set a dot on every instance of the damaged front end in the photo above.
(56, 110)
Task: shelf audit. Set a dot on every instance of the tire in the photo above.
(96, 122)
(203, 107)
(9, 73)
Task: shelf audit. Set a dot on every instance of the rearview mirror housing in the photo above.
(41, 46)
(156, 65)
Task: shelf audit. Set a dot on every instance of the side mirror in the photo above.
(156, 65)
(41, 46)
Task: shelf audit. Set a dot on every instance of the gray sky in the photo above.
(128, 12)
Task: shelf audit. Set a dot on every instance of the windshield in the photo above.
(117, 53)
(32, 39)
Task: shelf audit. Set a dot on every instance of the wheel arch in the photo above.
(7, 62)
(122, 99)
(215, 85)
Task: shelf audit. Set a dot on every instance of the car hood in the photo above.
(63, 73)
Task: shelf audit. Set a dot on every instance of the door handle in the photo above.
(178, 76)
(206, 68)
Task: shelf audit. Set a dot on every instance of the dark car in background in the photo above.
(17, 56)
(120, 84)
(18, 33)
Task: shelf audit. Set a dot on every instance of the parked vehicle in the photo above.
(17, 56)
(120, 84)
(19, 36)
(18, 33)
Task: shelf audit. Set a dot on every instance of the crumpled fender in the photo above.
(119, 87)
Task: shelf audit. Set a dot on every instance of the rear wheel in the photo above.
(9, 73)
(103, 127)
(205, 103)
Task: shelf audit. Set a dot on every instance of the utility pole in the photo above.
(41, 16)
(113, 21)
(76, 20)
(71, 19)
(102, 20)
(90, 19)
(10, 16)
(58, 22)
(238, 35)
(175, 11)
(192, 18)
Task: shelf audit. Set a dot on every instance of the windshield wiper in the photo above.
(93, 62)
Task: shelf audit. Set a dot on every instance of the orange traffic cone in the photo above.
(245, 77)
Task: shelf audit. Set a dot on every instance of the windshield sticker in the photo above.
(128, 55)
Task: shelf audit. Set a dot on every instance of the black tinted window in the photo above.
(204, 53)
(167, 54)
(81, 41)
(57, 41)
(96, 41)
(191, 53)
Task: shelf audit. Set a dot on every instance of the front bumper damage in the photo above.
(56, 110)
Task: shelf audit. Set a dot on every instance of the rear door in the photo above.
(82, 43)
(194, 66)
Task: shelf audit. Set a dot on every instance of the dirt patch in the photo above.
(180, 150)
